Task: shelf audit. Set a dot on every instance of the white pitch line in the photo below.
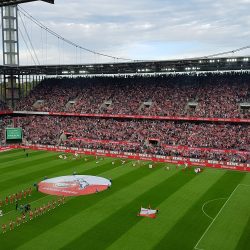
(246, 185)
(196, 246)
(209, 202)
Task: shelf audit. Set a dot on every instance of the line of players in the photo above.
(154, 164)
(10, 199)
(138, 162)
(29, 215)
(69, 156)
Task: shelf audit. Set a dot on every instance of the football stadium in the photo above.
(101, 151)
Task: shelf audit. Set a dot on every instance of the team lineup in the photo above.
(61, 184)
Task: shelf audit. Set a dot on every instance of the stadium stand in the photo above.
(139, 136)
(204, 95)
(207, 95)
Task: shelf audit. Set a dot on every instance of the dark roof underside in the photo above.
(139, 67)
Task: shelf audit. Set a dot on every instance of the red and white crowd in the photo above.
(205, 95)
(144, 136)
(215, 95)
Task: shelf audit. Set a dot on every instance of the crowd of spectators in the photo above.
(147, 136)
(205, 95)
(210, 95)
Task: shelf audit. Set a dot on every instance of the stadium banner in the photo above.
(30, 113)
(3, 149)
(180, 147)
(213, 150)
(6, 112)
(105, 141)
(150, 117)
(137, 156)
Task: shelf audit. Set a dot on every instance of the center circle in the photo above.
(74, 185)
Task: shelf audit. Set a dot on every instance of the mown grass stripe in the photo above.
(27, 167)
(118, 171)
(51, 170)
(72, 208)
(9, 152)
(23, 161)
(194, 221)
(38, 195)
(108, 230)
(81, 169)
(149, 232)
(99, 211)
(244, 242)
(79, 216)
(225, 230)
(20, 157)
(20, 167)
(33, 167)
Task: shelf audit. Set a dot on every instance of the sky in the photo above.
(135, 29)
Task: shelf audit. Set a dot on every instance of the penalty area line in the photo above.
(246, 185)
(196, 246)
(223, 198)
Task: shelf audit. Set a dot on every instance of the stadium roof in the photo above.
(138, 67)
(15, 2)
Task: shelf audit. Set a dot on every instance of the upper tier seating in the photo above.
(210, 95)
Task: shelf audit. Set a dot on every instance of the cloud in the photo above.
(137, 29)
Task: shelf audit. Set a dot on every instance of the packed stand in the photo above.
(215, 95)
(141, 136)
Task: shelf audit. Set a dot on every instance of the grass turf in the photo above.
(108, 220)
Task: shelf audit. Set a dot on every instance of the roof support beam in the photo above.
(15, 2)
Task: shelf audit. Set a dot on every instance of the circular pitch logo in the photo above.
(74, 185)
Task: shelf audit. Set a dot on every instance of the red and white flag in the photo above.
(148, 212)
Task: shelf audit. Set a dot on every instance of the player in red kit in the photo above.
(4, 228)
(23, 218)
(6, 200)
(59, 201)
(45, 208)
(53, 204)
(18, 221)
(31, 215)
(11, 224)
(30, 191)
(41, 210)
(11, 199)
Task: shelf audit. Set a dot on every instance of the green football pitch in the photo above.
(208, 211)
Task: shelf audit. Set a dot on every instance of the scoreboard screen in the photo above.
(13, 134)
